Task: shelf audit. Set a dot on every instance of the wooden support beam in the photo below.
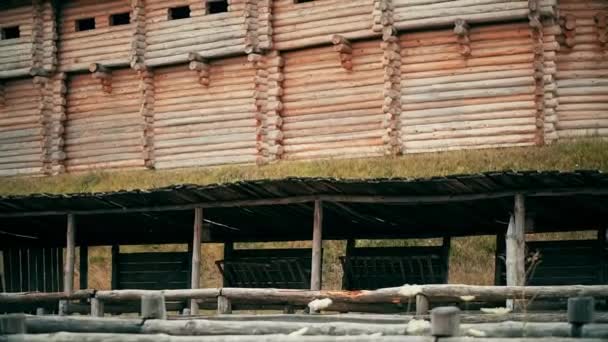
(84, 266)
(317, 247)
(344, 48)
(103, 74)
(97, 307)
(196, 257)
(515, 245)
(68, 267)
(224, 306)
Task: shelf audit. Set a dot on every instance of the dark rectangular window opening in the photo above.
(12, 32)
(181, 12)
(301, 1)
(217, 6)
(120, 19)
(85, 24)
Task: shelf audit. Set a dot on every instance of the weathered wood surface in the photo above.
(16, 54)
(21, 131)
(103, 130)
(582, 68)
(201, 327)
(196, 125)
(71, 337)
(451, 102)
(210, 35)
(103, 44)
(329, 111)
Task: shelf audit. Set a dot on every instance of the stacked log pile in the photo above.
(197, 125)
(20, 129)
(331, 111)
(417, 14)
(582, 70)
(103, 129)
(108, 44)
(16, 54)
(450, 101)
(210, 35)
(297, 25)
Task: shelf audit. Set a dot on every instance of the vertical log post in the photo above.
(445, 321)
(68, 267)
(84, 266)
(97, 307)
(515, 246)
(224, 306)
(422, 305)
(580, 312)
(196, 257)
(153, 306)
(317, 247)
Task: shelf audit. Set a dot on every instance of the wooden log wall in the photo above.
(210, 35)
(103, 130)
(198, 125)
(20, 129)
(297, 25)
(582, 70)
(330, 111)
(450, 101)
(106, 44)
(415, 14)
(16, 54)
(464, 74)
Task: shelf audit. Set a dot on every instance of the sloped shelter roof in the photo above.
(275, 210)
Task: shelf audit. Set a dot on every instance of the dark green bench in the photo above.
(267, 268)
(372, 268)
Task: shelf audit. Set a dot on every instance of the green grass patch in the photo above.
(563, 156)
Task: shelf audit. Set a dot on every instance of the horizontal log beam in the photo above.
(558, 192)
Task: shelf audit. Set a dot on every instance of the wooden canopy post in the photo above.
(515, 246)
(196, 257)
(84, 266)
(68, 267)
(317, 247)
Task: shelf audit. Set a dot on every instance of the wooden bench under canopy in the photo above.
(369, 268)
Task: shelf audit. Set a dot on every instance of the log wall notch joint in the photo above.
(601, 24)
(345, 50)
(2, 94)
(103, 74)
(138, 42)
(536, 30)
(201, 66)
(568, 25)
(461, 29)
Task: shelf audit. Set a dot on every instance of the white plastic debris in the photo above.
(476, 333)
(417, 326)
(467, 298)
(408, 290)
(319, 304)
(300, 332)
(496, 311)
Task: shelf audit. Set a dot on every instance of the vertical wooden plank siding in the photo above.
(16, 54)
(582, 74)
(312, 23)
(329, 111)
(105, 44)
(196, 257)
(170, 41)
(197, 125)
(20, 129)
(317, 247)
(452, 102)
(104, 130)
(70, 257)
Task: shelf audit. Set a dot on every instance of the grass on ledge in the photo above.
(563, 156)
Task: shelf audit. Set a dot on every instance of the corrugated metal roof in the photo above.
(344, 219)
